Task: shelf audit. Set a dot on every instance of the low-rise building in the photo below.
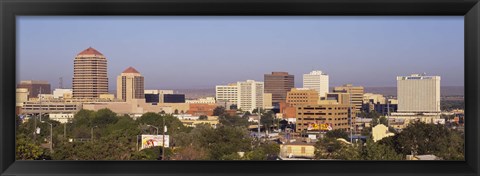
(297, 150)
(206, 100)
(379, 132)
(61, 117)
(201, 109)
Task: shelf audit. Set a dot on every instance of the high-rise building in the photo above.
(278, 84)
(316, 80)
(130, 85)
(35, 87)
(418, 93)
(354, 92)
(89, 74)
(226, 93)
(250, 95)
(302, 96)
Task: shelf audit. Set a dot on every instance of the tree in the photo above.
(267, 120)
(422, 139)
(337, 133)
(228, 120)
(218, 111)
(103, 117)
(203, 117)
(377, 151)
(327, 148)
(27, 149)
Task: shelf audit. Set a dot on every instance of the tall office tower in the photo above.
(35, 87)
(89, 74)
(355, 94)
(302, 96)
(250, 95)
(278, 84)
(418, 93)
(226, 93)
(316, 80)
(130, 85)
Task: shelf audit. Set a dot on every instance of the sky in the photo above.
(189, 52)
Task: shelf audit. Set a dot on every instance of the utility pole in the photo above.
(350, 113)
(92, 133)
(163, 140)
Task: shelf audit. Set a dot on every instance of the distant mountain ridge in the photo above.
(389, 91)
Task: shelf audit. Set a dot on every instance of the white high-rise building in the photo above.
(250, 95)
(316, 80)
(226, 93)
(418, 94)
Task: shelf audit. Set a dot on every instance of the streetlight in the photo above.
(154, 127)
(51, 136)
(92, 132)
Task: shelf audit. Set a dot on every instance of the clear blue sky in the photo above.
(201, 52)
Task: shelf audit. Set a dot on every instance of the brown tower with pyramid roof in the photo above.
(130, 85)
(90, 77)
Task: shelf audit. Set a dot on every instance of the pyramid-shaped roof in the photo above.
(130, 70)
(90, 51)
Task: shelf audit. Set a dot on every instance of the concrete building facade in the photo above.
(318, 81)
(335, 115)
(250, 95)
(278, 84)
(35, 87)
(90, 77)
(418, 93)
(302, 96)
(226, 93)
(354, 92)
(130, 85)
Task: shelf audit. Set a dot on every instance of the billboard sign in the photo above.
(154, 141)
(319, 127)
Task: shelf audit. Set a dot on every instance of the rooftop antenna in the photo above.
(60, 82)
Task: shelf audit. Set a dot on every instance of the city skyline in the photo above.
(205, 74)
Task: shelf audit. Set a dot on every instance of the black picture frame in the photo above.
(9, 9)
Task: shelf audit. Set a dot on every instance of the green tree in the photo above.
(218, 111)
(27, 149)
(103, 117)
(203, 117)
(377, 151)
(337, 133)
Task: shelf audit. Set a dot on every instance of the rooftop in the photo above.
(90, 51)
(130, 70)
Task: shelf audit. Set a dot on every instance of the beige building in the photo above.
(418, 93)
(21, 96)
(379, 132)
(267, 101)
(62, 93)
(250, 95)
(297, 150)
(137, 107)
(355, 93)
(130, 85)
(341, 98)
(334, 114)
(302, 96)
(226, 93)
(90, 77)
(206, 100)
